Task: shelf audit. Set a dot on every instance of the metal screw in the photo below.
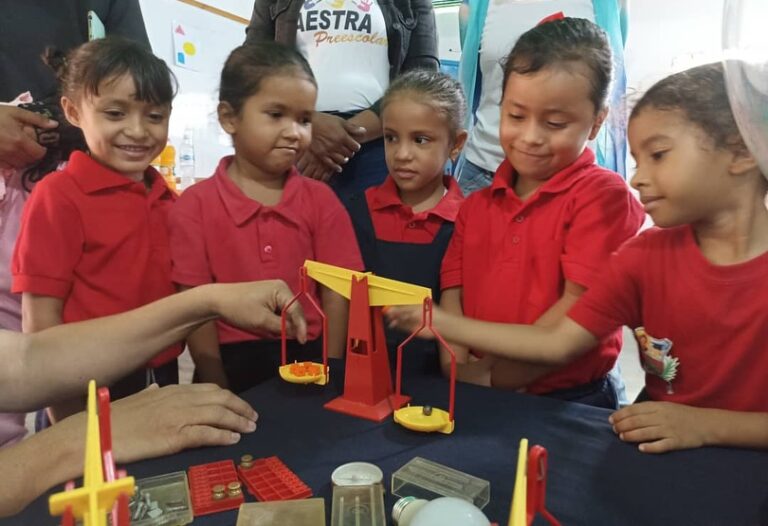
(426, 410)
(155, 513)
(140, 512)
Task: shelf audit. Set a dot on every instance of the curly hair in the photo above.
(700, 94)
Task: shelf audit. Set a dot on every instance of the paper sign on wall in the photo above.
(186, 46)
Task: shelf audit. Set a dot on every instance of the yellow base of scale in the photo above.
(415, 418)
(288, 376)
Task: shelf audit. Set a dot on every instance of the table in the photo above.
(594, 479)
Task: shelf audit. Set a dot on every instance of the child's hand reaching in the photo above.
(408, 318)
(661, 426)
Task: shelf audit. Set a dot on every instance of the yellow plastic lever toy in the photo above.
(91, 503)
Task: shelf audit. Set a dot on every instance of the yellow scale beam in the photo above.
(95, 499)
(381, 291)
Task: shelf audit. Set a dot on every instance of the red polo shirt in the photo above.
(396, 222)
(218, 234)
(96, 240)
(705, 325)
(512, 257)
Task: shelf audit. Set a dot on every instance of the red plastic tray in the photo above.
(269, 479)
(202, 478)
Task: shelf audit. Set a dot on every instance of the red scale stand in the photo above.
(368, 389)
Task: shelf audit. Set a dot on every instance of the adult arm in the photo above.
(39, 313)
(148, 424)
(74, 352)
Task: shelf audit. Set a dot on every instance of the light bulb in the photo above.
(409, 511)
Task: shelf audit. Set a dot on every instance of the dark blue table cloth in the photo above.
(594, 479)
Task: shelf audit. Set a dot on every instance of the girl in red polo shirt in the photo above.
(258, 217)
(404, 225)
(695, 290)
(527, 247)
(94, 239)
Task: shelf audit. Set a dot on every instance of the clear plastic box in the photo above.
(358, 506)
(305, 512)
(424, 479)
(168, 494)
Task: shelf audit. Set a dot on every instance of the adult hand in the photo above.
(256, 307)
(311, 166)
(661, 426)
(19, 147)
(334, 140)
(163, 421)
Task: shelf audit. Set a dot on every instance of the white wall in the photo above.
(449, 44)
(664, 36)
(667, 36)
(195, 104)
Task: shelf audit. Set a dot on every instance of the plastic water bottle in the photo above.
(187, 161)
(165, 163)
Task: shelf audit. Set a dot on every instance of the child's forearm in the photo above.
(336, 308)
(554, 346)
(659, 427)
(467, 369)
(735, 428)
(40, 312)
(206, 353)
(450, 301)
(516, 374)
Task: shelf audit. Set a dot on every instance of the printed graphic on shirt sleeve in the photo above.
(655, 357)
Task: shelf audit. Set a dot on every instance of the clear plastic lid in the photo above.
(424, 479)
(358, 506)
(305, 512)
